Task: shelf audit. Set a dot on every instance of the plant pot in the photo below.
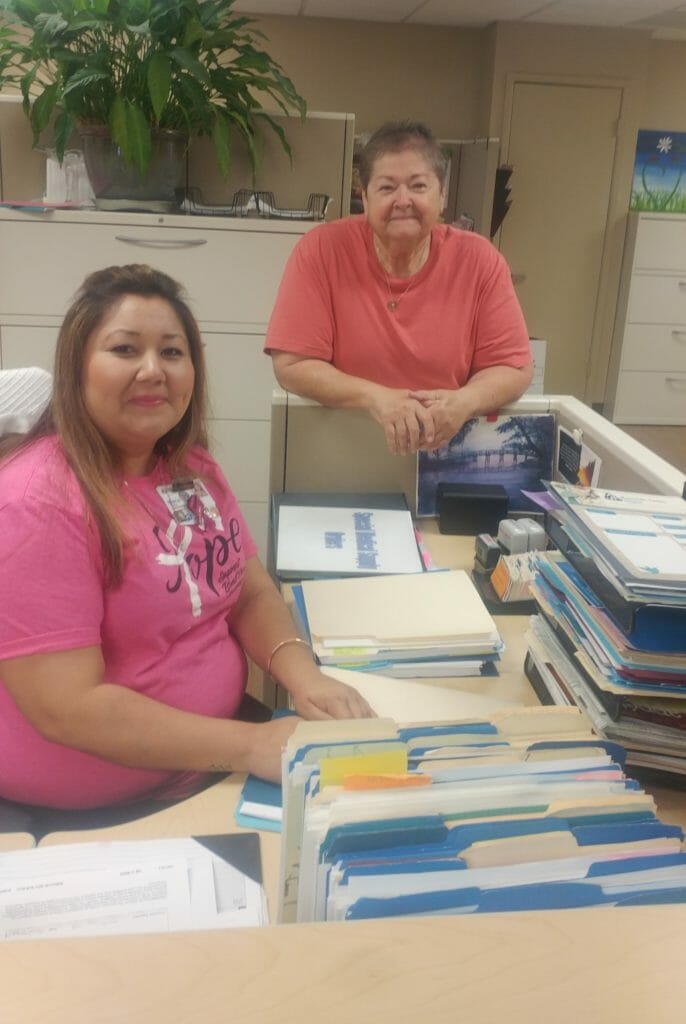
(118, 186)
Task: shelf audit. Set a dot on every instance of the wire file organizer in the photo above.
(247, 202)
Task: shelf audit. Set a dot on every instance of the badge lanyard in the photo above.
(190, 503)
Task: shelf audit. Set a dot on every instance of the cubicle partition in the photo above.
(318, 449)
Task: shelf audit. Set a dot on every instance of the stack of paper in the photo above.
(638, 544)
(612, 633)
(156, 885)
(432, 621)
(526, 809)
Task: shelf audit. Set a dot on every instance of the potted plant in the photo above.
(138, 79)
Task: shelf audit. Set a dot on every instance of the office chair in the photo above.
(24, 394)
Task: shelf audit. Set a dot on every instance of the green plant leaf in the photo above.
(42, 108)
(50, 25)
(192, 105)
(193, 32)
(139, 138)
(26, 83)
(130, 131)
(118, 127)
(248, 133)
(220, 139)
(85, 76)
(135, 64)
(186, 60)
(159, 82)
(277, 128)
(64, 126)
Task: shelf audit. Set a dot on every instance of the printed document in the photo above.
(123, 888)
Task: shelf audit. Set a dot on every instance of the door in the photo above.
(561, 144)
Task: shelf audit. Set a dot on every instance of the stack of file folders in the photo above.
(426, 624)
(611, 636)
(525, 810)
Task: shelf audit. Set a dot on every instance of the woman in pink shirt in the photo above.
(132, 591)
(393, 312)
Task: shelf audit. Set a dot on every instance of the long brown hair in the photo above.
(92, 459)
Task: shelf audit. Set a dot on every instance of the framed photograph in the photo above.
(516, 451)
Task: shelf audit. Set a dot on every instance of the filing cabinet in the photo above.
(230, 270)
(647, 376)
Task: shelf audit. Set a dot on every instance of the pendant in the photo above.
(392, 305)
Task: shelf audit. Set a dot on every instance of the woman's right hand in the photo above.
(270, 738)
(407, 424)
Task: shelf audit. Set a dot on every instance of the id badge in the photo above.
(190, 503)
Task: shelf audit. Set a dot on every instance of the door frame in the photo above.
(617, 210)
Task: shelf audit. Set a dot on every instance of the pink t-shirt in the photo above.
(163, 631)
(457, 315)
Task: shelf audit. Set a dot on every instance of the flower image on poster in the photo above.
(659, 182)
(515, 451)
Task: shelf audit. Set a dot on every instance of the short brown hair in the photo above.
(90, 456)
(396, 136)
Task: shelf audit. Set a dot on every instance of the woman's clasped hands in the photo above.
(415, 421)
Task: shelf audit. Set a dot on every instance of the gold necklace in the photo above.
(393, 303)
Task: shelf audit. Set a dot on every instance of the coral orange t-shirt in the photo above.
(457, 315)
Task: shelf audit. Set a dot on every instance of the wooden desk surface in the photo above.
(571, 967)
(593, 966)
(15, 841)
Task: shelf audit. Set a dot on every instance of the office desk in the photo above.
(589, 966)
(595, 966)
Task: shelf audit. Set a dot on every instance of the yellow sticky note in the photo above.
(332, 770)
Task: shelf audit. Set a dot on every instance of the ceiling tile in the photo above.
(666, 19)
(665, 14)
(268, 6)
(361, 10)
(472, 12)
(611, 13)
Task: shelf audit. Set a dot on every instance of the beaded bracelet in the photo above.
(282, 643)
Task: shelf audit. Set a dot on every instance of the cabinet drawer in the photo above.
(230, 276)
(242, 450)
(240, 376)
(657, 299)
(661, 244)
(27, 346)
(654, 347)
(650, 398)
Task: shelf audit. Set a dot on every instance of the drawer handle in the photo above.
(677, 381)
(163, 243)
(679, 335)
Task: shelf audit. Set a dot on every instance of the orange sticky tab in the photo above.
(396, 781)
